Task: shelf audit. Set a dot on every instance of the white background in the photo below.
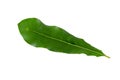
(96, 21)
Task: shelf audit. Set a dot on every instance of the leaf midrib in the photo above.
(65, 42)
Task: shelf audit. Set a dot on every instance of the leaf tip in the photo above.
(107, 56)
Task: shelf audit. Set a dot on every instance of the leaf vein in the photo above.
(64, 42)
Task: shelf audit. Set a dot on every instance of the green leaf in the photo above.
(37, 34)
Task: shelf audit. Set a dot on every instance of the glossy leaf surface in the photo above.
(54, 38)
